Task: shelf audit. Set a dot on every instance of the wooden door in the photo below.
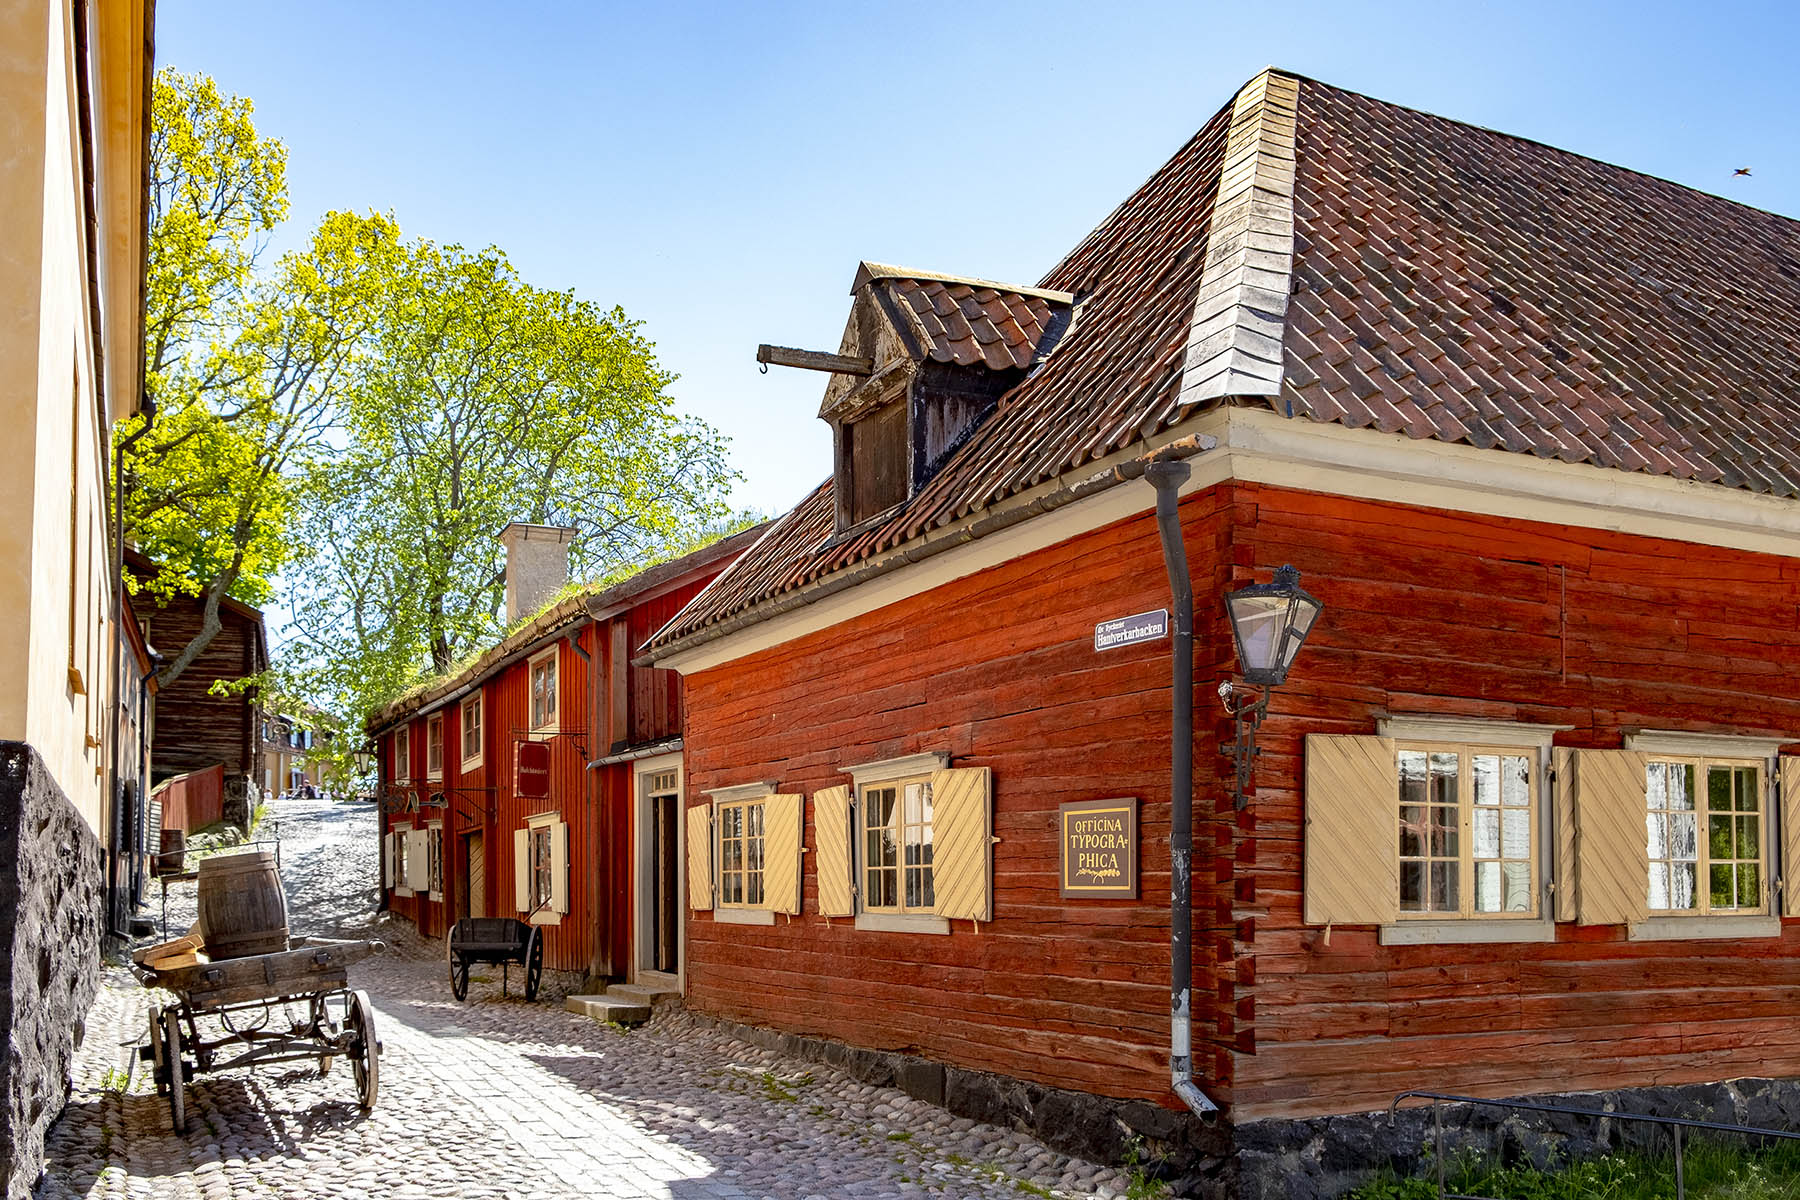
(474, 897)
(666, 930)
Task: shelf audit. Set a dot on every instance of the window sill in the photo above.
(471, 764)
(881, 922)
(402, 893)
(546, 918)
(744, 916)
(1671, 929)
(1466, 932)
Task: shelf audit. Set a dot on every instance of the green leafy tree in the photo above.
(482, 400)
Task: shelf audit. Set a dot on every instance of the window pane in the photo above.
(1659, 885)
(1487, 886)
(1443, 832)
(1655, 824)
(1515, 780)
(1444, 769)
(1718, 789)
(1412, 886)
(1658, 781)
(1684, 835)
(1487, 837)
(753, 855)
(1681, 785)
(890, 892)
(1749, 887)
(1444, 896)
(1412, 777)
(1517, 883)
(1487, 778)
(754, 890)
(1747, 837)
(1516, 833)
(1718, 837)
(1412, 831)
(915, 804)
(1682, 894)
(890, 851)
(1721, 886)
(1746, 789)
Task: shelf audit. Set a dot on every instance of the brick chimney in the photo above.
(537, 564)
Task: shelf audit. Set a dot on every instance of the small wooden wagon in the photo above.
(502, 940)
(291, 1006)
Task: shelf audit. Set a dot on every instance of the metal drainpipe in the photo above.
(1167, 477)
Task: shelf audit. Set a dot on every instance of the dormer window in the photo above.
(874, 463)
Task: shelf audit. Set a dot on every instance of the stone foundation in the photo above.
(1193, 1157)
(1327, 1156)
(51, 904)
(238, 805)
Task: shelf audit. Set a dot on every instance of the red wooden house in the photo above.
(592, 860)
(1526, 424)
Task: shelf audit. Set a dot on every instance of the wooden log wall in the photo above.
(1434, 612)
(999, 670)
(195, 729)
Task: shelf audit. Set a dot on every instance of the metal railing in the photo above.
(1677, 1125)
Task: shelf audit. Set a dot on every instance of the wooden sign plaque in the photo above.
(1098, 859)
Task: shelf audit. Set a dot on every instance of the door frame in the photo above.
(643, 860)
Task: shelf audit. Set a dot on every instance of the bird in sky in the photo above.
(1741, 171)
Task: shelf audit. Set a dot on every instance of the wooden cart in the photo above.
(292, 1006)
(500, 940)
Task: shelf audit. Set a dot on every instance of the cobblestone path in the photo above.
(498, 1098)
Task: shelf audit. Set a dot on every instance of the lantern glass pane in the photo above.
(1305, 612)
(1258, 622)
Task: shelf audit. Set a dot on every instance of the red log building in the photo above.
(594, 862)
(1524, 421)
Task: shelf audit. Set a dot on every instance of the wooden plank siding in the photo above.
(1426, 611)
(194, 728)
(998, 670)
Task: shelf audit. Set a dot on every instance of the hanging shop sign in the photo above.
(532, 775)
(1099, 849)
(1129, 631)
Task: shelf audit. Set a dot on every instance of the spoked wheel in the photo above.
(534, 963)
(459, 978)
(365, 1049)
(159, 1067)
(172, 1056)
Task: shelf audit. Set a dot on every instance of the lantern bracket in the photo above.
(1247, 707)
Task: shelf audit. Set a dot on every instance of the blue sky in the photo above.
(719, 169)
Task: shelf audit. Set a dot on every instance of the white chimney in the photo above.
(537, 565)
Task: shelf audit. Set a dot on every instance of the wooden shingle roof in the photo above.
(1344, 260)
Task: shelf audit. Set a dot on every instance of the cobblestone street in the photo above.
(497, 1098)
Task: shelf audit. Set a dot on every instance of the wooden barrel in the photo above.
(242, 908)
(173, 852)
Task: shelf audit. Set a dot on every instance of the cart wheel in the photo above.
(459, 978)
(534, 963)
(159, 1069)
(172, 1053)
(365, 1049)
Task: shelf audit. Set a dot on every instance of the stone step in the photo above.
(619, 1011)
(641, 993)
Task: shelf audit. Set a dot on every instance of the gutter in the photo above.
(669, 746)
(993, 522)
(1167, 476)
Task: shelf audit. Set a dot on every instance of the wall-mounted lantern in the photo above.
(1269, 623)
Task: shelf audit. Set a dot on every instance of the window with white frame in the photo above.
(897, 846)
(543, 692)
(471, 730)
(1468, 829)
(402, 836)
(1706, 824)
(434, 746)
(542, 865)
(741, 826)
(402, 754)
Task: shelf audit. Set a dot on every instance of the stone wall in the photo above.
(239, 804)
(50, 910)
(1327, 1156)
(1191, 1156)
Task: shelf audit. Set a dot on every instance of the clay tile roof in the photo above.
(1432, 279)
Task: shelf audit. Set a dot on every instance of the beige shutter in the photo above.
(962, 843)
(1564, 847)
(522, 870)
(418, 861)
(700, 857)
(387, 860)
(1612, 849)
(831, 859)
(784, 818)
(1352, 841)
(559, 867)
(1790, 834)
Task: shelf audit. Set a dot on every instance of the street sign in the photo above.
(1129, 631)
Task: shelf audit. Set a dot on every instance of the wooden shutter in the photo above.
(1352, 841)
(387, 861)
(699, 857)
(559, 867)
(418, 861)
(1564, 847)
(1612, 850)
(1790, 834)
(783, 819)
(962, 843)
(831, 859)
(522, 870)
